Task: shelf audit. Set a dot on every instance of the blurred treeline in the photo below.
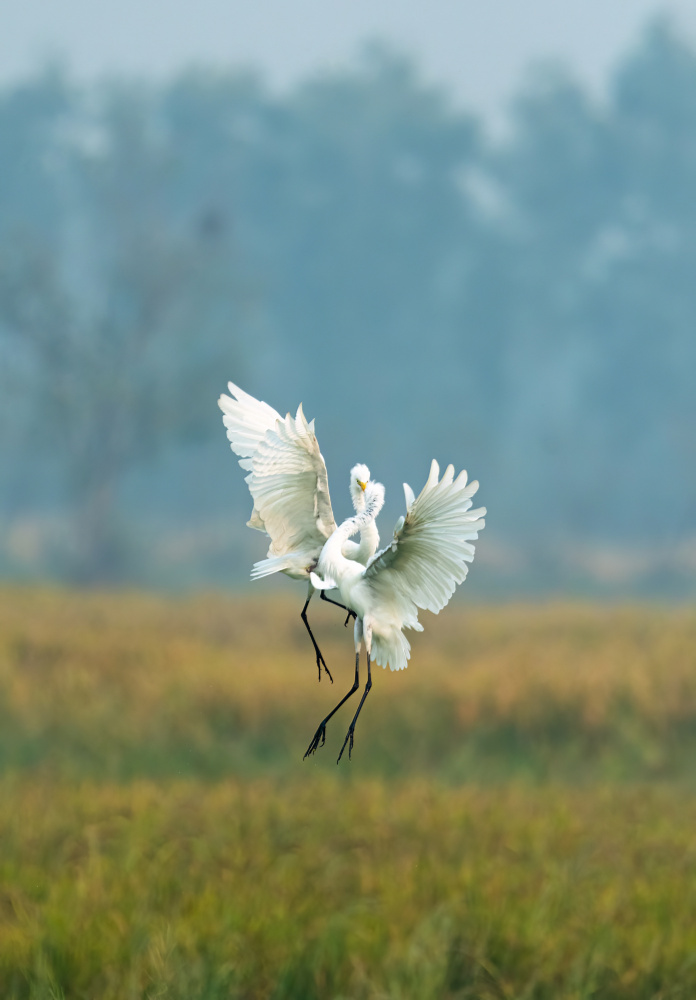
(523, 304)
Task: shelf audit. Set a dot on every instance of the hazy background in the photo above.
(463, 231)
(451, 231)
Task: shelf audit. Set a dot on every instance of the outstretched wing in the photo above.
(247, 420)
(287, 480)
(290, 487)
(427, 558)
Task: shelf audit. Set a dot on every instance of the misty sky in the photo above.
(480, 49)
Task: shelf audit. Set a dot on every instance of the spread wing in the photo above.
(427, 558)
(286, 477)
(247, 421)
(290, 487)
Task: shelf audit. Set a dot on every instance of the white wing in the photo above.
(290, 487)
(247, 420)
(426, 560)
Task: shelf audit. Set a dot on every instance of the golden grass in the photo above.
(130, 684)
(517, 821)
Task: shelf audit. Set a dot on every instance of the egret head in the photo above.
(359, 478)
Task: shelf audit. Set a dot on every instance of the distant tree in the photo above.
(33, 118)
(120, 357)
(348, 196)
(525, 302)
(596, 253)
(636, 299)
(374, 241)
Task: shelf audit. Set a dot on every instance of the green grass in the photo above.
(320, 890)
(518, 820)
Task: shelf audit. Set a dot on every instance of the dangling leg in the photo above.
(351, 614)
(321, 731)
(321, 662)
(351, 728)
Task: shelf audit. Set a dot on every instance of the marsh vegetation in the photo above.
(517, 821)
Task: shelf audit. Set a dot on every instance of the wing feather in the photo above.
(287, 479)
(290, 487)
(247, 421)
(424, 563)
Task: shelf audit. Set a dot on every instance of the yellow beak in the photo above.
(363, 486)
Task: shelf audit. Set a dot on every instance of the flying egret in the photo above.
(289, 485)
(420, 568)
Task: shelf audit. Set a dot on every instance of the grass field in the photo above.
(518, 820)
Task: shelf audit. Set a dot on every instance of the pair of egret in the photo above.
(420, 568)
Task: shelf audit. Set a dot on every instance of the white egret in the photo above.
(421, 568)
(289, 485)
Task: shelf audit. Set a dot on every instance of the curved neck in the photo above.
(363, 521)
(369, 541)
(358, 522)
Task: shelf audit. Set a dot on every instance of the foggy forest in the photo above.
(519, 302)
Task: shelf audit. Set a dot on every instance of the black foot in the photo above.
(315, 744)
(349, 741)
(322, 663)
(351, 614)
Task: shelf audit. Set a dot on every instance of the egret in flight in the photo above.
(289, 485)
(421, 567)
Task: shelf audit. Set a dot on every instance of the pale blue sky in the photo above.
(479, 48)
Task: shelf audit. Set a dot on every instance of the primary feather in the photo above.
(290, 487)
(247, 421)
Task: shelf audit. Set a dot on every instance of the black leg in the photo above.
(321, 731)
(321, 662)
(351, 614)
(351, 728)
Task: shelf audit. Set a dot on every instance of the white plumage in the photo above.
(420, 569)
(427, 558)
(290, 487)
(287, 478)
